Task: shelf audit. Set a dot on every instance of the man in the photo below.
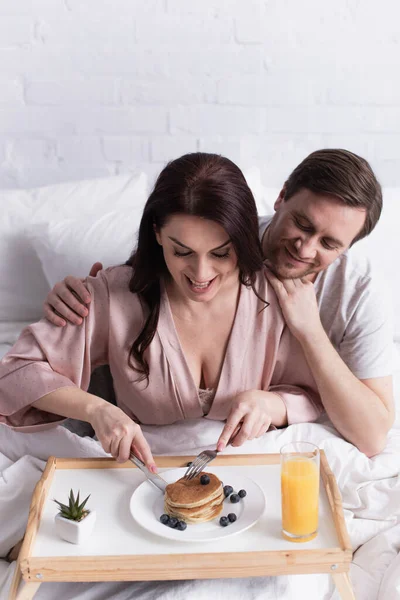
(329, 299)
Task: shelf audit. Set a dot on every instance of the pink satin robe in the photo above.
(261, 354)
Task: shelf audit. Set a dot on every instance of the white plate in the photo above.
(147, 505)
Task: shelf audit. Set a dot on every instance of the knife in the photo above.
(155, 479)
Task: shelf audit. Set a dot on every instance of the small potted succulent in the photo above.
(74, 522)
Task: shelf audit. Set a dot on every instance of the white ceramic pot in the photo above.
(75, 532)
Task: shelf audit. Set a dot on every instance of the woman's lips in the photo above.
(199, 287)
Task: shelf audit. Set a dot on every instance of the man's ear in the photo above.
(157, 234)
(281, 198)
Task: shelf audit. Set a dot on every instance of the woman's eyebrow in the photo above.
(188, 248)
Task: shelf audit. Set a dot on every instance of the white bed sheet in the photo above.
(371, 500)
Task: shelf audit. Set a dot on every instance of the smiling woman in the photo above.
(200, 231)
(190, 314)
(202, 269)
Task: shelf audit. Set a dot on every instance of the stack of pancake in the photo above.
(192, 502)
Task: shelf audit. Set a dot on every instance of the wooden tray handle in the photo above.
(335, 502)
(36, 508)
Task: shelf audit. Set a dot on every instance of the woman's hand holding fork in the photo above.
(253, 411)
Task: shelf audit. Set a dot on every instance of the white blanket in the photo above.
(371, 501)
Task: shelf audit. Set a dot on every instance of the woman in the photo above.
(189, 327)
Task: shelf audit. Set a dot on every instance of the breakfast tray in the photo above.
(122, 550)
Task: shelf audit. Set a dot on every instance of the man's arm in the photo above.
(361, 410)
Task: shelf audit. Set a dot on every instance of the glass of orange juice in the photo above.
(300, 491)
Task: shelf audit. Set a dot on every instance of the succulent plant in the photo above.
(73, 511)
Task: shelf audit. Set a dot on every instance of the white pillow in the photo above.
(382, 247)
(22, 283)
(70, 247)
(23, 286)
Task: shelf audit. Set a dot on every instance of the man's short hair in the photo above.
(340, 173)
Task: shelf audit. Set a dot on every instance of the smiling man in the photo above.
(330, 300)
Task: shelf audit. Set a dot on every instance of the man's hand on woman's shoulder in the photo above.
(68, 300)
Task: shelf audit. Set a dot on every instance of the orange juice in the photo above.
(300, 492)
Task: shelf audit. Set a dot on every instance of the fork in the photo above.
(204, 458)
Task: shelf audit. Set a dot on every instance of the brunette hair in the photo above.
(340, 173)
(204, 185)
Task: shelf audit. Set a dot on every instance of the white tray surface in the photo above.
(116, 532)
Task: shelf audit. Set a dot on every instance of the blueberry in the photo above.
(228, 489)
(242, 493)
(224, 521)
(164, 519)
(181, 526)
(234, 498)
(189, 464)
(173, 522)
(232, 517)
(204, 480)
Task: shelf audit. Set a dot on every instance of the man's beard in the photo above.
(287, 271)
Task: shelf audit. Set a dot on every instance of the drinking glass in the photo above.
(300, 491)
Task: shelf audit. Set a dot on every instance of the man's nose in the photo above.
(306, 247)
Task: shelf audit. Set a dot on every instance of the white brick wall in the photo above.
(90, 88)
